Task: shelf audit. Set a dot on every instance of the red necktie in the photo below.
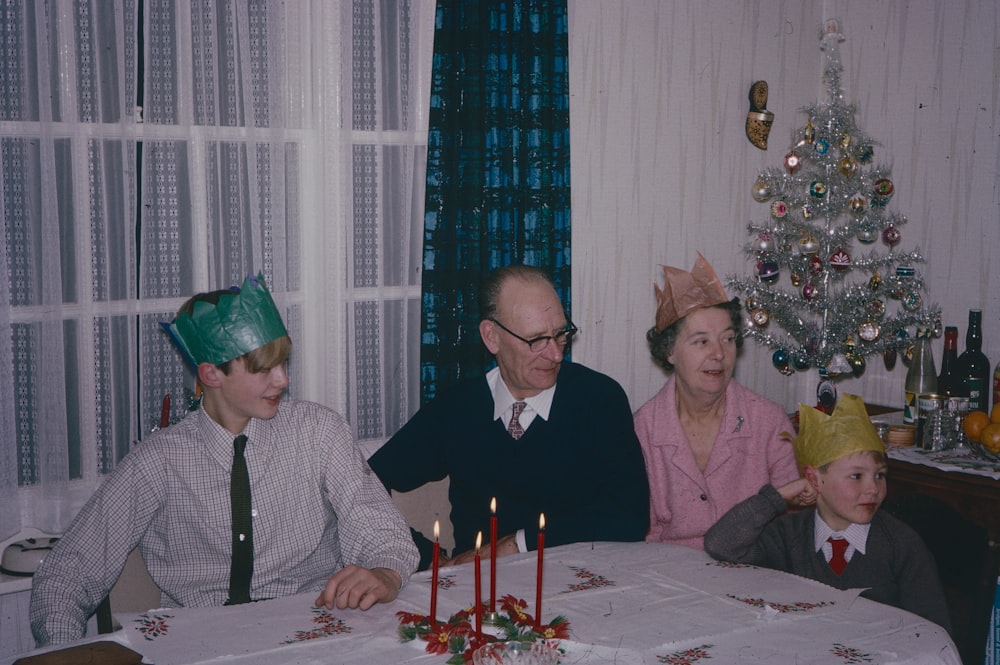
(514, 428)
(837, 560)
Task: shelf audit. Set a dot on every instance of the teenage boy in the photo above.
(249, 497)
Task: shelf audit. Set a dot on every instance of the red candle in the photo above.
(493, 555)
(479, 587)
(434, 573)
(538, 575)
(165, 412)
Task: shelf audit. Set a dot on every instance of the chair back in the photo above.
(967, 564)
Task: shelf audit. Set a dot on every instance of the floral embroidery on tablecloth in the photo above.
(729, 564)
(446, 581)
(850, 654)
(800, 606)
(152, 626)
(590, 580)
(326, 624)
(686, 656)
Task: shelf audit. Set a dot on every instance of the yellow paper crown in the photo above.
(684, 291)
(824, 438)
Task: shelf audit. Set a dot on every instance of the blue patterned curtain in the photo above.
(498, 186)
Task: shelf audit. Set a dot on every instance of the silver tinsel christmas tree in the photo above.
(815, 298)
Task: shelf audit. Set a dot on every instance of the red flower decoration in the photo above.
(557, 630)
(517, 609)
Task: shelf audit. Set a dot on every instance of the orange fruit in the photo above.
(974, 424)
(990, 438)
(995, 413)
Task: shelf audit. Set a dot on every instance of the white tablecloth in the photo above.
(627, 603)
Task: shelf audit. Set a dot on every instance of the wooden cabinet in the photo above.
(958, 516)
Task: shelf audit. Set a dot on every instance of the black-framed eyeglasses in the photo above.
(539, 344)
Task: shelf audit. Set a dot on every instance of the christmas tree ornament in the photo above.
(793, 161)
(847, 166)
(889, 357)
(912, 301)
(761, 192)
(808, 212)
(882, 192)
(858, 204)
(868, 331)
(809, 290)
(750, 304)
(759, 119)
(838, 365)
(876, 308)
(857, 364)
(808, 244)
(905, 272)
(821, 146)
(779, 209)
(845, 142)
(764, 243)
(867, 234)
(817, 189)
(760, 317)
(767, 271)
(840, 260)
(809, 132)
(780, 361)
(865, 154)
(875, 283)
(826, 398)
(800, 360)
(796, 278)
(891, 236)
(815, 265)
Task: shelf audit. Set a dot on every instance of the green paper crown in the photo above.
(240, 322)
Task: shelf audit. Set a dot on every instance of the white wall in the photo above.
(662, 167)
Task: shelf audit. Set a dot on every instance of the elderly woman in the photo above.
(708, 442)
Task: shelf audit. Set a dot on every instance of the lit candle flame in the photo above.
(437, 530)
(541, 521)
(493, 505)
(479, 541)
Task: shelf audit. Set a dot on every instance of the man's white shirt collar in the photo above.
(503, 401)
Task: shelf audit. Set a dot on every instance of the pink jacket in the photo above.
(748, 454)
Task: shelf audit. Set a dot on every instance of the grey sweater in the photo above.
(896, 568)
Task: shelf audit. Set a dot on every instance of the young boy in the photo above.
(249, 497)
(844, 467)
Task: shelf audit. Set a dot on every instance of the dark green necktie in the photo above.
(241, 570)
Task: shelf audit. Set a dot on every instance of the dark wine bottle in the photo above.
(949, 382)
(974, 366)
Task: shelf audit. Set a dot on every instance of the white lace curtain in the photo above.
(150, 149)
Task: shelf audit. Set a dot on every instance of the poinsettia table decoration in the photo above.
(458, 637)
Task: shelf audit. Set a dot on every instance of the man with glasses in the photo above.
(538, 434)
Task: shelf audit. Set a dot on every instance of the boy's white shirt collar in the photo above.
(503, 401)
(855, 534)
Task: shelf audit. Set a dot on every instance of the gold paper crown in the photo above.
(824, 438)
(684, 291)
